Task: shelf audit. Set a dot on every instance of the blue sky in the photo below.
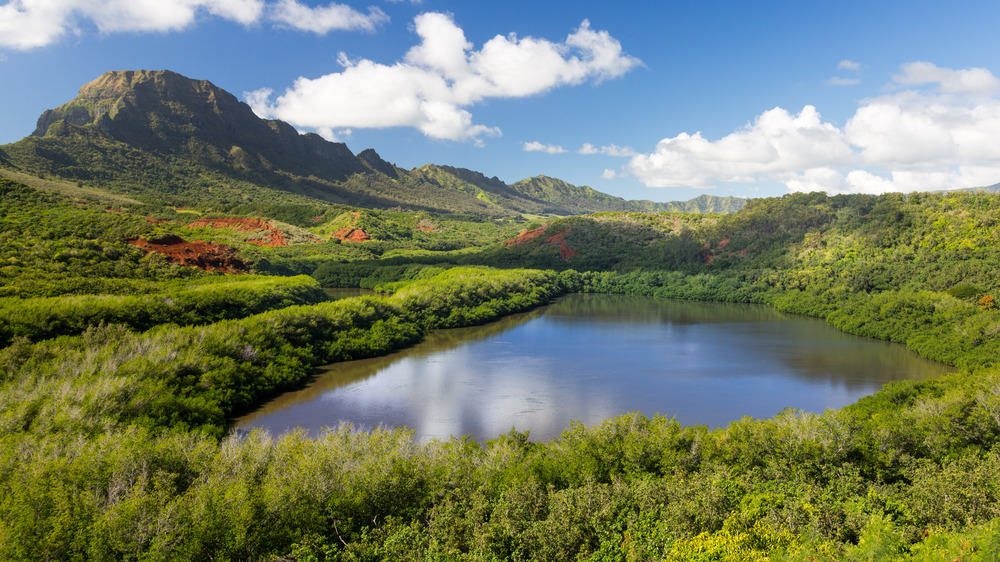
(644, 100)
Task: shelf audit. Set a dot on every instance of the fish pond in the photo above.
(589, 357)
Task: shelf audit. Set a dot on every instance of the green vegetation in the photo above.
(119, 369)
(115, 399)
(203, 302)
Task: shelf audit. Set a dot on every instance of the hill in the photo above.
(164, 139)
(584, 199)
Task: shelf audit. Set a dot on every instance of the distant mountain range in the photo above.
(162, 138)
(995, 188)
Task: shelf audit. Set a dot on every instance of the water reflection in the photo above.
(589, 357)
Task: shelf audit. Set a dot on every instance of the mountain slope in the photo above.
(165, 139)
(166, 113)
(584, 199)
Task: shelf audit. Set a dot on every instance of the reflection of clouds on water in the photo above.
(468, 390)
(705, 363)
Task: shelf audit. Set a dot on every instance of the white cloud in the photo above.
(972, 81)
(838, 81)
(440, 77)
(535, 146)
(323, 19)
(609, 150)
(334, 136)
(26, 24)
(776, 142)
(610, 174)
(847, 65)
(944, 135)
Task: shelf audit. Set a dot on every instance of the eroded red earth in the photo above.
(203, 255)
(559, 239)
(351, 234)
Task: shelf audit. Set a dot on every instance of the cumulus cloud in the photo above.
(937, 128)
(848, 65)
(26, 24)
(442, 76)
(775, 142)
(323, 19)
(609, 150)
(972, 81)
(535, 146)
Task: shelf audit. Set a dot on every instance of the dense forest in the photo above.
(120, 368)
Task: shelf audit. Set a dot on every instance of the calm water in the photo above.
(589, 357)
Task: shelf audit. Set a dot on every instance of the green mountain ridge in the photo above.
(585, 199)
(161, 137)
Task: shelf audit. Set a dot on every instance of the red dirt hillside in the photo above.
(351, 234)
(559, 239)
(272, 236)
(525, 236)
(203, 255)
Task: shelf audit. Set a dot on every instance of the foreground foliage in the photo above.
(113, 413)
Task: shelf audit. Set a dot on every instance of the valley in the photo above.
(164, 254)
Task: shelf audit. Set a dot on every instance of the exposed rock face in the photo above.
(203, 255)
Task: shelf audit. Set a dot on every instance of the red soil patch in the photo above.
(203, 255)
(350, 234)
(272, 236)
(114, 210)
(425, 228)
(559, 239)
(525, 236)
(151, 220)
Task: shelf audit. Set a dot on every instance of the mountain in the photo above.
(995, 188)
(584, 199)
(165, 139)
(166, 113)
